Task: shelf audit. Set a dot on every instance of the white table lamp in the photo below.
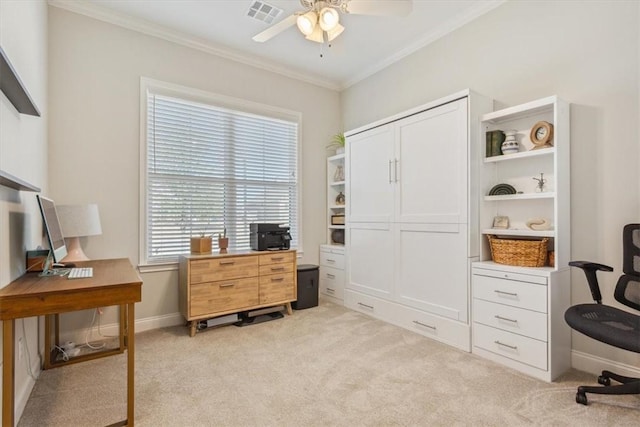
(78, 221)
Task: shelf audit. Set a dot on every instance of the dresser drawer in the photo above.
(510, 292)
(332, 260)
(277, 287)
(517, 320)
(438, 328)
(516, 347)
(276, 268)
(223, 268)
(277, 258)
(211, 298)
(332, 282)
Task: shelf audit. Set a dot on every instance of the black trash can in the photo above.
(308, 275)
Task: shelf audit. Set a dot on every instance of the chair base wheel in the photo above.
(581, 398)
(604, 380)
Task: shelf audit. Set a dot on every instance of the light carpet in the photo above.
(323, 366)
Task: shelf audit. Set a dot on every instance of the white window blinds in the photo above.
(209, 169)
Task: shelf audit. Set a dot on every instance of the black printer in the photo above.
(269, 237)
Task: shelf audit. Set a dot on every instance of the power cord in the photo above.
(89, 330)
(26, 348)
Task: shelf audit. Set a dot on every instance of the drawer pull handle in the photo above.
(425, 325)
(331, 290)
(277, 258)
(512, 347)
(277, 268)
(370, 307)
(331, 260)
(330, 276)
(277, 279)
(505, 319)
(227, 285)
(511, 294)
(227, 262)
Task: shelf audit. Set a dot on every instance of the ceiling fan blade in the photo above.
(276, 29)
(380, 7)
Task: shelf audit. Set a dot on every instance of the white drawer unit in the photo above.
(332, 274)
(518, 318)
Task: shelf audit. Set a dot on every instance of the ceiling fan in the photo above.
(320, 19)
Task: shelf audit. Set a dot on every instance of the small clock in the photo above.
(542, 135)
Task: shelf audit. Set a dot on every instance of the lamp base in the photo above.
(74, 250)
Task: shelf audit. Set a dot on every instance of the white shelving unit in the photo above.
(518, 312)
(335, 186)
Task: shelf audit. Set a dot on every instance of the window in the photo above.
(213, 164)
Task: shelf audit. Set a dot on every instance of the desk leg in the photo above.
(8, 372)
(130, 363)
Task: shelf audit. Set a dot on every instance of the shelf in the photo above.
(526, 196)
(520, 155)
(336, 227)
(521, 111)
(13, 88)
(518, 232)
(336, 157)
(336, 183)
(11, 181)
(337, 206)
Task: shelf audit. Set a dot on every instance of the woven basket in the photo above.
(521, 253)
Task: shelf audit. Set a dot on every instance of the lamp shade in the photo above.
(307, 22)
(328, 19)
(79, 220)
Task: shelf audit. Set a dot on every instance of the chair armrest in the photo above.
(590, 269)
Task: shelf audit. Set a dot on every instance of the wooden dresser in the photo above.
(217, 284)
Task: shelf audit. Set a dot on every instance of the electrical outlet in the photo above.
(20, 349)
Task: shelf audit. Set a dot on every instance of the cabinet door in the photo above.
(370, 175)
(431, 155)
(370, 260)
(433, 269)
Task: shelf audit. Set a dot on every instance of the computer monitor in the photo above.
(52, 228)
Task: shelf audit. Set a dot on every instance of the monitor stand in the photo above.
(47, 271)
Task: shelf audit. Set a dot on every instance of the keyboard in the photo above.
(80, 273)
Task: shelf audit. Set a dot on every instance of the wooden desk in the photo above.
(114, 282)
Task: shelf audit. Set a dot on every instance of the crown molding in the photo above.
(100, 13)
(442, 30)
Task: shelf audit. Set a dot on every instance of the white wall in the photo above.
(586, 53)
(23, 153)
(95, 70)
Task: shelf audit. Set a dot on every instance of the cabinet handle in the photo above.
(227, 285)
(279, 258)
(365, 305)
(277, 268)
(395, 170)
(227, 262)
(390, 181)
(511, 294)
(330, 290)
(512, 347)
(425, 325)
(505, 319)
(277, 279)
(330, 276)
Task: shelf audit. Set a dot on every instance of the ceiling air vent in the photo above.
(263, 12)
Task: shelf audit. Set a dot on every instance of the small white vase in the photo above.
(510, 144)
(339, 150)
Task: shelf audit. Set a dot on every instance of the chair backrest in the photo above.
(628, 288)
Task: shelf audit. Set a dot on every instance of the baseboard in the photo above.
(595, 364)
(112, 329)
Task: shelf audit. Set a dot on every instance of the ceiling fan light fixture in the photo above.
(317, 35)
(335, 32)
(307, 23)
(329, 18)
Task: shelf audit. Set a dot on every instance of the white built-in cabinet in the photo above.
(518, 312)
(411, 220)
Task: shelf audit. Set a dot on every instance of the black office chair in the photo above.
(608, 324)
